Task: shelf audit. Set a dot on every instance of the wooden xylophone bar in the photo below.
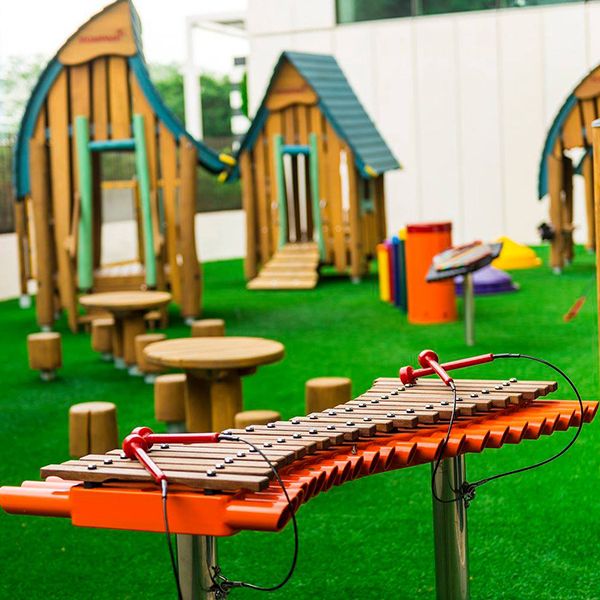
(387, 407)
(390, 426)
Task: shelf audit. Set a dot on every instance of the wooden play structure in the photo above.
(95, 97)
(312, 166)
(568, 152)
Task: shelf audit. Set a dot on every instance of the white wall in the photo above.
(219, 236)
(463, 100)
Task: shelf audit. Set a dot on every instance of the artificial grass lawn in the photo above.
(531, 536)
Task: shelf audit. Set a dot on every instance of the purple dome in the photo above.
(488, 280)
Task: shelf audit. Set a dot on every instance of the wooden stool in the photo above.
(255, 417)
(153, 319)
(208, 328)
(45, 353)
(169, 400)
(92, 428)
(102, 334)
(148, 369)
(327, 392)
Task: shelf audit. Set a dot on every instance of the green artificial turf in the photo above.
(531, 536)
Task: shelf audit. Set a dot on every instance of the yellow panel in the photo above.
(108, 33)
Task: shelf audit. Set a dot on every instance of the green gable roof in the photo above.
(342, 108)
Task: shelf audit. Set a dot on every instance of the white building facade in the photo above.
(464, 100)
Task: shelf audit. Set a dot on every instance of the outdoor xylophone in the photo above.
(219, 485)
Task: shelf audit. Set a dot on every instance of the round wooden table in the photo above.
(214, 368)
(128, 309)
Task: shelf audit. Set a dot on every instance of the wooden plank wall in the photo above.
(348, 242)
(108, 93)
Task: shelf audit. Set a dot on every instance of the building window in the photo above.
(438, 7)
(352, 11)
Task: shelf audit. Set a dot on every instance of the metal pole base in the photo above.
(450, 532)
(196, 556)
(469, 306)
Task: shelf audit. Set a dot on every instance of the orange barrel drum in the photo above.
(428, 302)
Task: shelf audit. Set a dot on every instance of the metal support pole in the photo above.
(196, 554)
(450, 532)
(469, 298)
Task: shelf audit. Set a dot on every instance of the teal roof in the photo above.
(207, 158)
(340, 105)
(551, 138)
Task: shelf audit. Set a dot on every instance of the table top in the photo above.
(214, 352)
(128, 300)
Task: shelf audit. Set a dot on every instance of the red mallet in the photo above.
(410, 375)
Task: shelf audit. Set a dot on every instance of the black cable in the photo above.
(224, 584)
(442, 449)
(169, 540)
(541, 463)
(468, 490)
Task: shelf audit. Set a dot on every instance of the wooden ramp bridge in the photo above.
(293, 267)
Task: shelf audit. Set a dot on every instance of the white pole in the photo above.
(191, 86)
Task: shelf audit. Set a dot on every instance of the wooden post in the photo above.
(96, 209)
(60, 168)
(357, 268)
(568, 246)
(596, 176)
(22, 250)
(92, 428)
(43, 240)
(555, 167)
(262, 201)
(45, 353)
(168, 161)
(169, 399)
(191, 285)
(379, 201)
(335, 200)
(255, 417)
(588, 174)
(208, 328)
(322, 393)
(198, 414)
(249, 203)
(226, 401)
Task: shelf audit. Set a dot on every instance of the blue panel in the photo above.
(111, 145)
(295, 150)
(32, 110)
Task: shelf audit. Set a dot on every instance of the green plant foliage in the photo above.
(216, 112)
